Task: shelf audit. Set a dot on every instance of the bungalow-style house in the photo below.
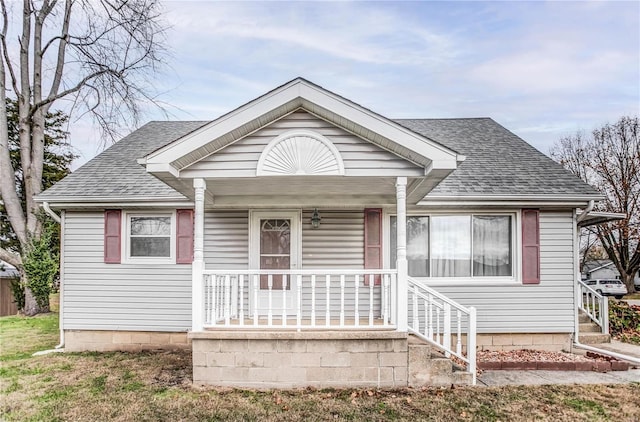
(302, 239)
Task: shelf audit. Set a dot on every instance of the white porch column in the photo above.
(402, 294)
(197, 268)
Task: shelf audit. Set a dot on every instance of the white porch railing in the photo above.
(594, 305)
(440, 321)
(299, 299)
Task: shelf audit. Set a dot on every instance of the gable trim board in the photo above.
(296, 94)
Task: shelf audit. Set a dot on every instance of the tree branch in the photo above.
(11, 258)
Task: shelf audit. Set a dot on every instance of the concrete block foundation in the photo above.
(277, 359)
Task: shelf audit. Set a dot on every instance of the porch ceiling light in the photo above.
(315, 219)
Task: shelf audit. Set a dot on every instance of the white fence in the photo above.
(300, 299)
(440, 321)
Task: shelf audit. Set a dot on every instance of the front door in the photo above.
(275, 239)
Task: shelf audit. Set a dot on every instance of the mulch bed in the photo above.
(548, 361)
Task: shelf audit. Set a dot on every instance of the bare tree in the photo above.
(610, 161)
(98, 54)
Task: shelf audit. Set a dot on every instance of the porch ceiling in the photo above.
(296, 191)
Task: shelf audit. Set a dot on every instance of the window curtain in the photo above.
(492, 246)
(417, 245)
(451, 246)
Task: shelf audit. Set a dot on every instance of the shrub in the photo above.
(17, 291)
(624, 322)
(40, 265)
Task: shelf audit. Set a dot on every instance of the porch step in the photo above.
(583, 318)
(594, 338)
(429, 367)
(589, 327)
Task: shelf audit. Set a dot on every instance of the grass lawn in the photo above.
(156, 387)
(632, 296)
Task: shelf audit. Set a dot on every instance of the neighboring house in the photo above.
(7, 275)
(297, 239)
(603, 269)
(600, 269)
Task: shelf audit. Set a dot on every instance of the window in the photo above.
(458, 245)
(150, 237)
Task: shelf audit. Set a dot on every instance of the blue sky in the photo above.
(542, 69)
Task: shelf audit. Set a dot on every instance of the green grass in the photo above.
(155, 386)
(21, 336)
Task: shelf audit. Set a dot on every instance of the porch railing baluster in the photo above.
(313, 300)
(370, 302)
(227, 299)
(356, 313)
(256, 281)
(241, 297)
(327, 319)
(270, 310)
(342, 285)
(385, 297)
(284, 300)
(299, 301)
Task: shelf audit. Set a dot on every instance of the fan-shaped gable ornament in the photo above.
(300, 152)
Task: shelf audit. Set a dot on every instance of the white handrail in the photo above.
(451, 318)
(301, 272)
(594, 305)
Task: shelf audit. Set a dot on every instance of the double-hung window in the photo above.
(150, 237)
(460, 245)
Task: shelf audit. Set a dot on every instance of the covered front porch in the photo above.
(351, 307)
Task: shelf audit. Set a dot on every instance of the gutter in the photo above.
(59, 347)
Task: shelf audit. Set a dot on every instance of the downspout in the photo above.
(57, 219)
(577, 294)
(585, 213)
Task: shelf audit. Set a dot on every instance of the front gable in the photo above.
(303, 144)
(300, 94)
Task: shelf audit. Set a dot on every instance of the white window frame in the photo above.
(126, 244)
(516, 242)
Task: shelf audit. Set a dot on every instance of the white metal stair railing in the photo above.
(305, 299)
(594, 305)
(438, 320)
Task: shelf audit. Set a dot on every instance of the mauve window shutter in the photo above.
(530, 246)
(184, 237)
(112, 236)
(372, 241)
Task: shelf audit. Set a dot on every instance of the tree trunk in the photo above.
(31, 306)
(627, 279)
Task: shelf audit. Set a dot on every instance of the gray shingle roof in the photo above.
(116, 172)
(498, 162)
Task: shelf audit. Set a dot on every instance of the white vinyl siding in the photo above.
(360, 157)
(158, 297)
(137, 297)
(337, 243)
(542, 308)
(226, 240)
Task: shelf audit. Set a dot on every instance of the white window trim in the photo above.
(516, 239)
(126, 244)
